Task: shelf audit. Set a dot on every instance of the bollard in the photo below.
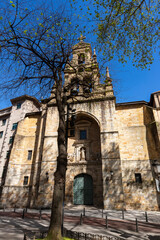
(40, 213)
(106, 221)
(136, 225)
(122, 213)
(81, 219)
(83, 211)
(4, 208)
(25, 237)
(85, 236)
(62, 228)
(146, 216)
(14, 208)
(102, 213)
(23, 213)
(42, 235)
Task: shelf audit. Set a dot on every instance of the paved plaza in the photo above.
(13, 226)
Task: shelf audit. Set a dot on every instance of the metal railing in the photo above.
(24, 213)
(71, 234)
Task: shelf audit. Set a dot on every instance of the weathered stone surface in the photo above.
(120, 143)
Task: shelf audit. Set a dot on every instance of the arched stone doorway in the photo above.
(84, 156)
(83, 190)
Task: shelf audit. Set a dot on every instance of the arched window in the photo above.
(81, 58)
(74, 86)
(87, 85)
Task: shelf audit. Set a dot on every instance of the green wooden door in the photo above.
(78, 190)
(83, 190)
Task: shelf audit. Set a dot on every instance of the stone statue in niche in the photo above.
(82, 153)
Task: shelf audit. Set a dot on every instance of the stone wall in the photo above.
(104, 113)
(136, 157)
(19, 165)
(119, 144)
(14, 115)
(48, 157)
(118, 152)
(101, 146)
(15, 196)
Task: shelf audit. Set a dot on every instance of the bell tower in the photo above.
(82, 74)
(94, 148)
(82, 77)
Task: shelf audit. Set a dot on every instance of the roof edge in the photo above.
(4, 109)
(132, 103)
(33, 114)
(23, 97)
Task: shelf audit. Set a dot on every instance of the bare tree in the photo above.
(36, 45)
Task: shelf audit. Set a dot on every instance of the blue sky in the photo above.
(130, 83)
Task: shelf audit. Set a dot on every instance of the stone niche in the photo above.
(84, 146)
(82, 142)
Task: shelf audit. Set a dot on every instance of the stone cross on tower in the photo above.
(81, 38)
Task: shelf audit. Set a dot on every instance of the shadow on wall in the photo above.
(35, 170)
(113, 188)
(153, 143)
(25, 194)
(44, 191)
(138, 191)
(5, 168)
(42, 181)
(15, 196)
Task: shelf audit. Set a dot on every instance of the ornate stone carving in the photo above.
(82, 153)
(71, 157)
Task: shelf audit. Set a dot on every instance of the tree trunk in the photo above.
(56, 215)
(54, 232)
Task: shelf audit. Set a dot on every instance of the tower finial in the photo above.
(81, 38)
(94, 56)
(107, 72)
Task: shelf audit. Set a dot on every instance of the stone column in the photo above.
(111, 163)
(38, 158)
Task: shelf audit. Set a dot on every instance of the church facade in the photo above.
(113, 149)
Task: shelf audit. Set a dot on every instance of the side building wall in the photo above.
(136, 157)
(16, 192)
(4, 150)
(16, 114)
(128, 146)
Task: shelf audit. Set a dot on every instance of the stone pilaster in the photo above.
(111, 164)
